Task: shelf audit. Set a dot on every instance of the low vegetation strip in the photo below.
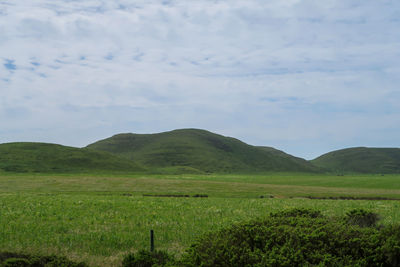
(12, 259)
(169, 195)
(149, 195)
(353, 198)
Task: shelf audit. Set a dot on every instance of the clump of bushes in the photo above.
(300, 237)
(297, 237)
(10, 259)
(362, 218)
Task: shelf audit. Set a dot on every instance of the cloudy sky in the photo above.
(303, 76)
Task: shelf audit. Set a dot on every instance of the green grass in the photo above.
(100, 228)
(100, 218)
(361, 160)
(201, 150)
(278, 184)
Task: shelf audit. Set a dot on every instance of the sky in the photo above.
(303, 76)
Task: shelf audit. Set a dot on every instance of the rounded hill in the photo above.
(52, 158)
(193, 149)
(361, 160)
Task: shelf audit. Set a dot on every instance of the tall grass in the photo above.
(100, 228)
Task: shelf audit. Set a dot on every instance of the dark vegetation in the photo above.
(10, 259)
(296, 238)
(174, 195)
(51, 158)
(199, 150)
(361, 160)
(352, 198)
(361, 218)
(168, 195)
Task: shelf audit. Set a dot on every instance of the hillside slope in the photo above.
(200, 150)
(46, 158)
(361, 160)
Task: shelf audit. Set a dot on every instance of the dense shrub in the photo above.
(16, 262)
(390, 237)
(299, 238)
(362, 218)
(10, 259)
(145, 258)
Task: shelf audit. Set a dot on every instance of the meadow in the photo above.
(99, 218)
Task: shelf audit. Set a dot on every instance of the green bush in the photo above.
(297, 238)
(362, 218)
(10, 259)
(145, 258)
(390, 237)
(16, 262)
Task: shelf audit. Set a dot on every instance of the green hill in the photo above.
(46, 158)
(199, 150)
(361, 160)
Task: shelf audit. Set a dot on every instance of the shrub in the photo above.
(390, 237)
(362, 218)
(146, 258)
(16, 262)
(296, 237)
(10, 259)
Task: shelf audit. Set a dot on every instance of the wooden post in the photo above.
(151, 240)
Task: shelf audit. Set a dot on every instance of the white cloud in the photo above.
(278, 73)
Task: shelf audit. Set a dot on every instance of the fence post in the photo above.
(151, 240)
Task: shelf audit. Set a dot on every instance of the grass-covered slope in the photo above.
(45, 158)
(201, 150)
(361, 160)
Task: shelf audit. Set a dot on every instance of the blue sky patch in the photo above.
(10, 64)
(109, 57)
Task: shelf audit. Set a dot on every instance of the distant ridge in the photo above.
(52, 158)
(186, 151)
(199, 151)
(361, 160)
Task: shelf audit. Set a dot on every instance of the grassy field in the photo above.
(100, 218)
(276, 184)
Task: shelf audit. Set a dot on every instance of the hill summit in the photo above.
(199, 151)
